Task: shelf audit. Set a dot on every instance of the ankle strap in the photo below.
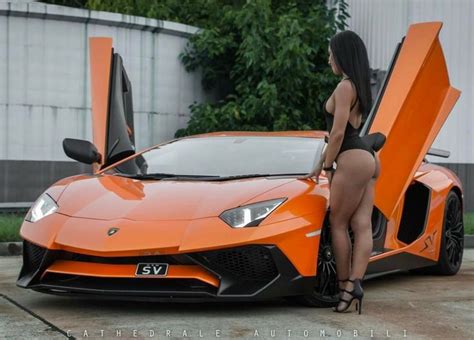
(347, 291)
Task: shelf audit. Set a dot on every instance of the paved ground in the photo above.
(422, 307)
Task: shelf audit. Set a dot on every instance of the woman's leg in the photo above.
(361, 224)
(354, 168)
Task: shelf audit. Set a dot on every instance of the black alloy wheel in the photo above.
(452, 244)
(325, 292)
(452, 240)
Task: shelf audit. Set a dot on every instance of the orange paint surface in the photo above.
(128, 270)
(416, 102)
(100, 67)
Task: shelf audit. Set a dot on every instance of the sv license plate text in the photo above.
(151, 269)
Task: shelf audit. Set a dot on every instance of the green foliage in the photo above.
(10, 224)
(70, 3)
(267, 61)
(469, 223)
(201, 13)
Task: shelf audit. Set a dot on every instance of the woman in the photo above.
(352, 184)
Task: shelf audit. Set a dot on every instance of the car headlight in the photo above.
(250, 215)
(43, 207)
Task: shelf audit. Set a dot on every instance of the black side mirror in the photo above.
(81, 150)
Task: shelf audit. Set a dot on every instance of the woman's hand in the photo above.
(319, 167)
(315, 173)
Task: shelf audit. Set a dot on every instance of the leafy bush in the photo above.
(268, 64)
(265, 60)
(201, 13)
(10, 224)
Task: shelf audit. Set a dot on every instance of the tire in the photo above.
(325, 292)
(452, 240)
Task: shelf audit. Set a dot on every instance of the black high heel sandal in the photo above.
(357, 293)
(345, 281)
(342, 289)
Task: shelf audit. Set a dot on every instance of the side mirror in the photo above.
(81, 150)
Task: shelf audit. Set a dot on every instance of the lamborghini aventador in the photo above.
(224, 216)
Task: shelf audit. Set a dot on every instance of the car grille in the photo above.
(242, 270)
(246, 263)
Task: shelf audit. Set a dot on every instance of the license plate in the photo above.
(151, 269)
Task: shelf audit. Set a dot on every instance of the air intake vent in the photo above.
(34, 255)
(246, 263)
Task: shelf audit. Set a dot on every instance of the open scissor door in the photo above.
(411, 109)
(112, 107)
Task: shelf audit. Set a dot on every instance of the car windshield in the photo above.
(227, 156)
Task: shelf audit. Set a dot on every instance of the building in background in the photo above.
(382, 24)
(45, 93)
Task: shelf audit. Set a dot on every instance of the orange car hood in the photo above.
(108, 197)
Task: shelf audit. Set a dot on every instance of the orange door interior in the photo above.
(100, 53)
(417, 100)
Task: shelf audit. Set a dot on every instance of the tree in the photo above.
(267, 60)
(200, 13)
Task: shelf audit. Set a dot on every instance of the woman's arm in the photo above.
(342, 97)
(323, 156)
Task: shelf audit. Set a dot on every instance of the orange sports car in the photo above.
(223, 216)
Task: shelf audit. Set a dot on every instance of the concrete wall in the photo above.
(44, 82)
(45, 89)
(45, 95)
(382, 24)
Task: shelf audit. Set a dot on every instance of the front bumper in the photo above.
(245, 273)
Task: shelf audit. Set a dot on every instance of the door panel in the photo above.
(112, 106)
(415, 104)
(120, 136)
(100, 53)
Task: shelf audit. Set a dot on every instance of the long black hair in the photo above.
(350, 55)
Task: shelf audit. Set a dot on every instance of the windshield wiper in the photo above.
(227, 178)
(167, 176)
(192, 177)
(146, 176)
(163, 176)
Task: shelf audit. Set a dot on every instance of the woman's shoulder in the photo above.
(345, 88)
(346, 84)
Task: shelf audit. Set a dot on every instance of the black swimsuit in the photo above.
(351, 140)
